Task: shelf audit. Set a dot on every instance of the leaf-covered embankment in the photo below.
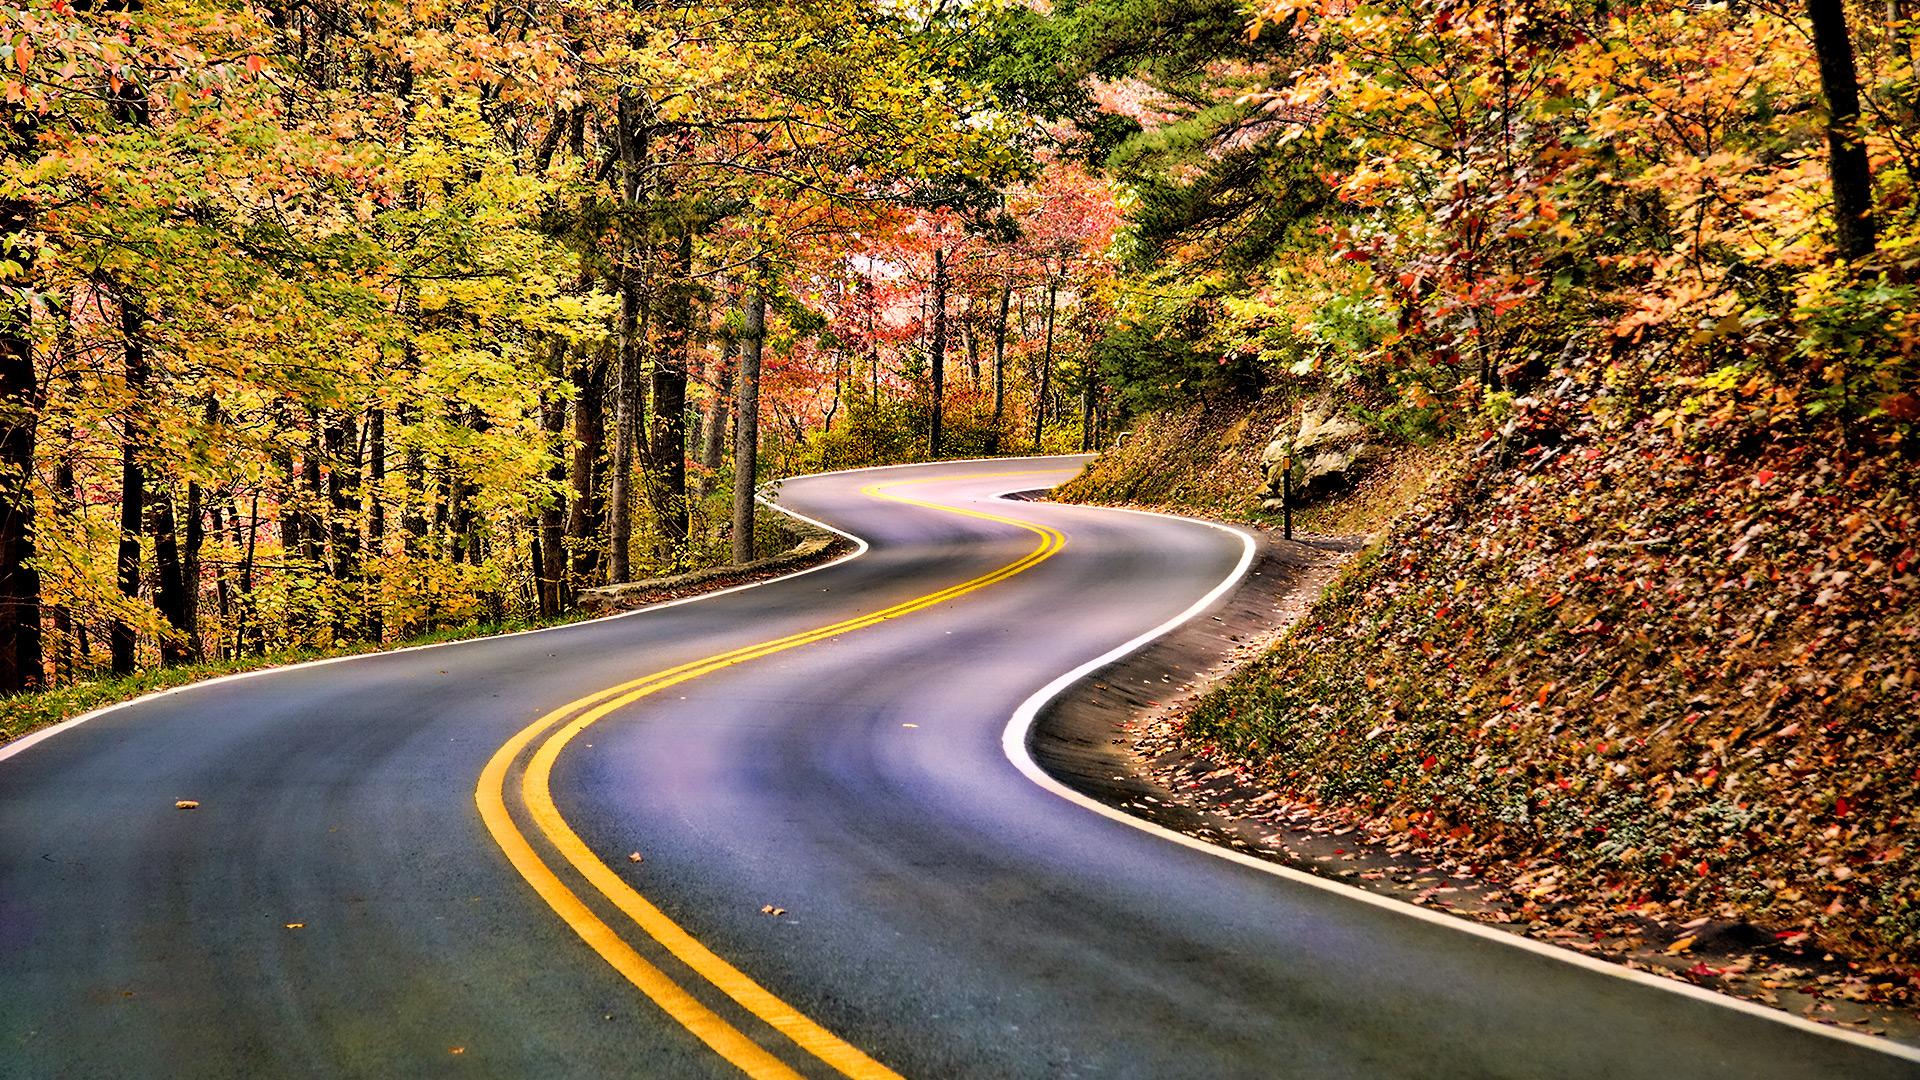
(1630, 661)
(1205, 460)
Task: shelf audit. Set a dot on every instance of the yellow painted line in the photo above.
(536, 791)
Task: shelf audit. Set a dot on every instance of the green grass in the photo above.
(21, 714)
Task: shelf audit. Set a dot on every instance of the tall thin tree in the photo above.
(1856, 234)
(746, 413)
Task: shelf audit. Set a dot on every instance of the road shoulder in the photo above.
(1116, 736)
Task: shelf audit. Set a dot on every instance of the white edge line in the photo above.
(1014, 742)
(860, 548)
(1016, 737)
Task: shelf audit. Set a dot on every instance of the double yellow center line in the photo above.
(536, 796)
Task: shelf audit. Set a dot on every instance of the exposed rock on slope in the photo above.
(1322, 453)
(1215, 462)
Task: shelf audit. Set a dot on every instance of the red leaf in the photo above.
(1901, 406)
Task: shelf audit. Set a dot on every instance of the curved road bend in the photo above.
(943, 915)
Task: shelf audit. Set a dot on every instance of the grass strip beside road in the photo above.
(25, 713)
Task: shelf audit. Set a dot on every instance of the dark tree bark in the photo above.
(632, 136)
(342, 446)
(222, 586)
(70, 637)
(589, 433)
(129, 107)
(170, 586)
(552, 565)
(667, 442)
(290, 538)
(341, 440)
(247, 632)
(626, 393)
(970, 327)
(938, 361)
(450, 520)
(466, 542)
(20, 658)
(873, 342)
(413, 516)
(120, 637)
(713, 447)
(313, 528)
(1086, 405)
(374, 507)
(1000, 360)
(371, 502)
(746, 415)
(195, 535)
(1855, 232)
(1046, 368)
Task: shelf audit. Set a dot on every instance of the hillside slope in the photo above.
(1667, 664)
(1206, 461)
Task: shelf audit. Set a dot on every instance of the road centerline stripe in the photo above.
(536, 793)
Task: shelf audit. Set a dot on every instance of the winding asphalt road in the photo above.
(347, 899)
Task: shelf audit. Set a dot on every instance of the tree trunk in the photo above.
(632, 137)
(413, 516)
(341, 440)
(667, 444)
(713, 449)
(1046, 370)
(342, 444)
(1000, 360)
(289, 503)
(626, 389)
(313, 530)
(589, 433)
(746, 415)
(120, 637)
(247, 630)
(1086, 402)
(372, 504)
(170, 587)
(69, 637)
(553, 512)
(467, 540)
(195, 537)
(970, 326)
(1855, 231)
(222, 586)
(20, 659)
(938, 361)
